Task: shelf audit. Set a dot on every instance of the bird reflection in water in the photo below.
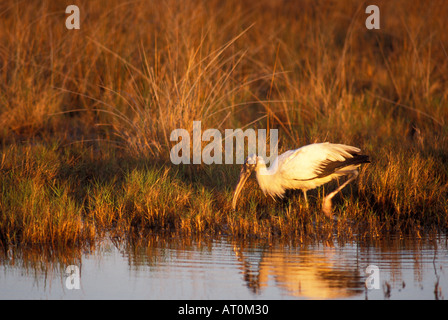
(304, 273)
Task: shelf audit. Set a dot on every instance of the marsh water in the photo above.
(224, 268)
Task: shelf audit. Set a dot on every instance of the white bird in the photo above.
(305, 168)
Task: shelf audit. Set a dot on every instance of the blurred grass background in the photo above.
(86, 115)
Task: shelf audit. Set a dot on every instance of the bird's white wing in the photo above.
(306, 162)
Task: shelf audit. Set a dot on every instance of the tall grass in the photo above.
(86, 115)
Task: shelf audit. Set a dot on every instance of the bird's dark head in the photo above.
(251, 162)
(246, 170)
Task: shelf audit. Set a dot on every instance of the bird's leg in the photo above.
(306, 198)
(326, 206)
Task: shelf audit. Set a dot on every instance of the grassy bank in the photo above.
(86, 115)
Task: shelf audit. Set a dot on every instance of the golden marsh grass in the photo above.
(86, 115)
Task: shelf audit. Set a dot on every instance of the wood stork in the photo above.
(305, 168)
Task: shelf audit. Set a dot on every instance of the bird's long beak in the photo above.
(244, 175)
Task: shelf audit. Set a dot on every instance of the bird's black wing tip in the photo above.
(329, 167)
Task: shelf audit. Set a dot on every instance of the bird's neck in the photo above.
(261, 169)
(268, 181)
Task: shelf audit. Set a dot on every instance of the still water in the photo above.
(173, 268)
